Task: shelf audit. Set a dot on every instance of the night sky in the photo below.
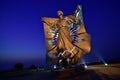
(22, 35)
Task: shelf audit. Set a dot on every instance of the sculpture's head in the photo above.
(60, 14)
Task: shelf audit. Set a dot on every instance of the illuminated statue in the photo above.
(66, 38)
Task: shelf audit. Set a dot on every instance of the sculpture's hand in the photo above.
(49, 24)
(78, 7)
(44, 20)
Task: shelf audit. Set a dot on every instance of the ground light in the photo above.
(84, 63)
(85, 66)
(106, 64)
(54, 66)
(101, 59)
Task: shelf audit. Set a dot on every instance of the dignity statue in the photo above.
(66, 38)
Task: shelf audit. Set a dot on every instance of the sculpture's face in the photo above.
(60, 13)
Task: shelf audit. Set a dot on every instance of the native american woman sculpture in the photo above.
(66, 38)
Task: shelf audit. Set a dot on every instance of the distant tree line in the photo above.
(20, 66)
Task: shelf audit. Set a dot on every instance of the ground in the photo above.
(92, 72)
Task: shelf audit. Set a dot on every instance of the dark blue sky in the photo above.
(22, 36)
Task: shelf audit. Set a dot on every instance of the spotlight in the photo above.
(84, 63)
(102, 59)
(106, 64)
(85, 66)
(54, 67)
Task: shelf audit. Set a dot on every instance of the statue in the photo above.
(66, 38)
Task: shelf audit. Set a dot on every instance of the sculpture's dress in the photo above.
(64, 38)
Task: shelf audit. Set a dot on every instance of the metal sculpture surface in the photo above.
(66, 38)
